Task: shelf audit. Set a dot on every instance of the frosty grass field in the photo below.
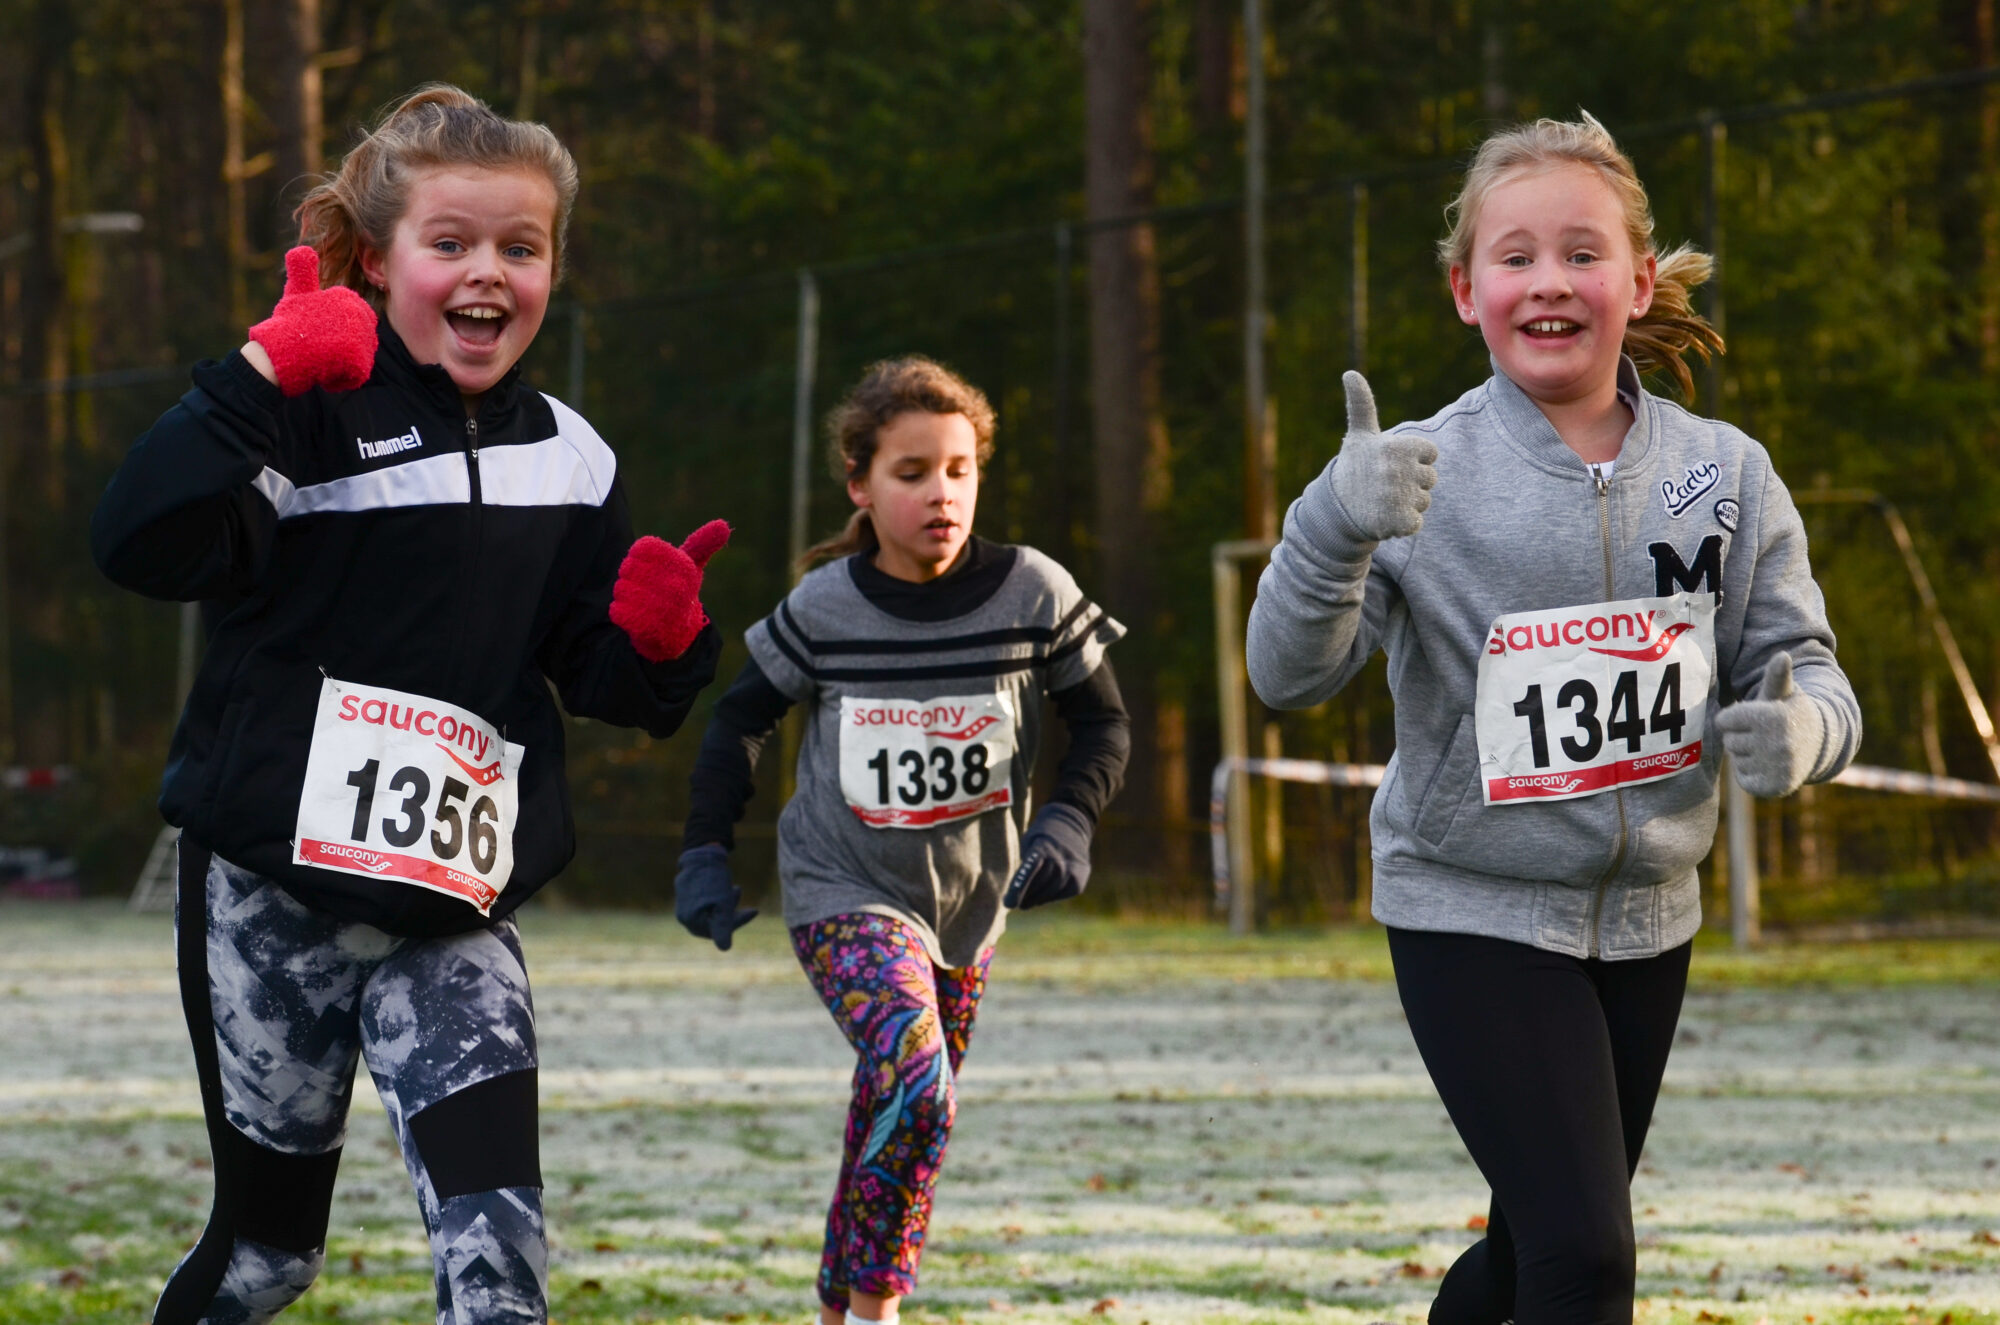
(1156, 1124)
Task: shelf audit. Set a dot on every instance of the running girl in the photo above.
(1579, 586)
(924, 654)
(413, 545)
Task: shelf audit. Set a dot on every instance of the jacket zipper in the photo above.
(1603, 486)
(472, 544)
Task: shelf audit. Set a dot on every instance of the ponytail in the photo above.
(857, 536)
(1671, 327)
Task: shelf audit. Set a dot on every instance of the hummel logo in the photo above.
(409, 441)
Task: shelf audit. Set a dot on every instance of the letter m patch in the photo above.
(1671, 574)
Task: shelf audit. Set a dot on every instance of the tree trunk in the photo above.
(1989, 209)
(296, 111)
(1214, 69)
(1132, 477)
(236, 219)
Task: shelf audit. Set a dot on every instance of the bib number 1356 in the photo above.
(407, 788)
(1578, 700)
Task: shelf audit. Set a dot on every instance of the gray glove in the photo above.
(1774, 741)
(704, 897)
(1382, 480)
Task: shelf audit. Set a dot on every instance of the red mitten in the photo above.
(317, 337)
(657, 600)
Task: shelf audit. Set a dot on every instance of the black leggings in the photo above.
(282, 1004)
(1549, 1067)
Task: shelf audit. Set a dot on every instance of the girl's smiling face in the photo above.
(919, 492)
(1552, 280)
(469, 269)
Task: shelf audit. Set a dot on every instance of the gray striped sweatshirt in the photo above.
(920, 738)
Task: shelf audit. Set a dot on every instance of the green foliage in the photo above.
(724, 145)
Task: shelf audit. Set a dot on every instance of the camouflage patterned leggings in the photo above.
(909, 1021)
(282, 1002)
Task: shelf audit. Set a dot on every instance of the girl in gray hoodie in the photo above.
(1587, 595)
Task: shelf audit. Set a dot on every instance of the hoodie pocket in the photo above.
(1450, 781)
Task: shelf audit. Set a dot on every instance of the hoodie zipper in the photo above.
(1603, 488)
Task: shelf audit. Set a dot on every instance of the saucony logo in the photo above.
(1655, 651)
(485, 777)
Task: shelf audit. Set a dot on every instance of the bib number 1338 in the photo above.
(1578, 700)
(915, 764)
(412, 789)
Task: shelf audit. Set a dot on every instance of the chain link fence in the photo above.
(1858, 285)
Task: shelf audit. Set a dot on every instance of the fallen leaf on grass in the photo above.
(1477, 1223)
(1985, 1236)
(1412, 1270)
(1711, 1318)
(1096, 1182)
(72, 1278)
(1004, 1308)
(590, 1286)
(604, 1246)
(1103, 1305)
(1799, 1169)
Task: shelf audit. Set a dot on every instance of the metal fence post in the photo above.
(1357, 307)
(1714, 139)
(1065, 263)
(1225, 566)
(802, 398)
(1260, 460)
(1744, 927)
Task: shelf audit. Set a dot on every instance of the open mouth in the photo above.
(480, 326)
(940, 529)
(1551, 328)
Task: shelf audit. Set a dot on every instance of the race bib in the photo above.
(403, 787)
(1579, 700)
(905, 764)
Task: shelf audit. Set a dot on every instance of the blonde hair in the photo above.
(886, 390)
(437, 125)
(1670, 327)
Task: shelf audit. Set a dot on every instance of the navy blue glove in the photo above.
(705, 899)
(1055, 858)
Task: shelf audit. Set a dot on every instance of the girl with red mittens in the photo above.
(413, 546)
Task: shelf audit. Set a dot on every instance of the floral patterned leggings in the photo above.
(909, 1021)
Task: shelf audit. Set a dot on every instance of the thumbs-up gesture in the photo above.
(316, 337)
(657, 600)
(1383, 480)
(1775, 740)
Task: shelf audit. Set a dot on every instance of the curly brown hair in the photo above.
(886, 390)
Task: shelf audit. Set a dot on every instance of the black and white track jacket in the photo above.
(380, 536)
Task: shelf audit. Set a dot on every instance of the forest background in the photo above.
(1046, 194)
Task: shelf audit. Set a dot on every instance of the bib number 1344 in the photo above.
(1578, 700)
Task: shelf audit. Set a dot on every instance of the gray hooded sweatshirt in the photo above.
(1519, 524)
